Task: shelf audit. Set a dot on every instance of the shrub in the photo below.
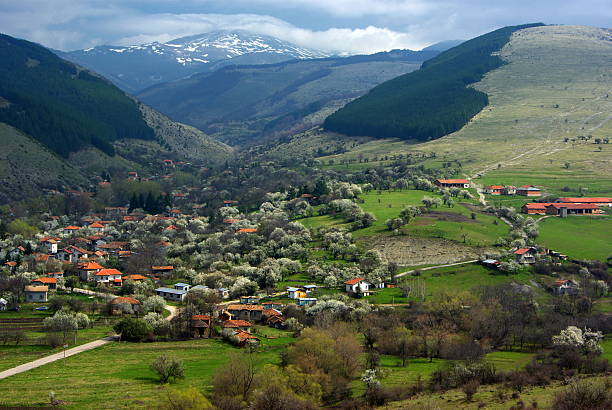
(168, 368)
(133, 330)
(585, 395)
(470, 388)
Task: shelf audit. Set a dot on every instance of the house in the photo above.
(306, 301)
(564, 209)
(56, 275)
(252, 313)
(273, 305)
(535, 208)
(245, 338)
(36, 293)
(3, 304)
(491, 263)
(135, 278)
(168, 163)
(229, 202)
(566, 287)
(310, 288)
(70, 230)
(528, 190)
(509, 190)
(171, 294)
(244, 325)
(88, 270)
(162, 270)
(296, 293)
(357, 287)
(596, 201)
(249, 300)
(51, 283)
(19, 250)
(201, 324)
(223, 293)
(97, 227)
(494, 189)
(72, 254)
(247, 230)
(132, 175)
(108, 276)
(50, 244)
(452, 183)
(115, 212)
(123, 300)
(525, 255)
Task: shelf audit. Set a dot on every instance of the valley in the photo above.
(448, 245)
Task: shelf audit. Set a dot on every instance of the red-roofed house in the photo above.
(71, 254)
(69, 230)
(162, 270)
(202, 325)
(108, 276)
(358, 287)
(56, 275)
(535, 208)
(237, 324)
(247, 230)
(50, 244)
(525, 255)
(566, 286)
(135, 278)
(51, 283)
(452, 183)
(528, 190)
(564, 209)
(494, 189)
(123, 300)
(97, 227)
(246, 312)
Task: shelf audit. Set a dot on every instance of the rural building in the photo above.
(71, 254)
(182, 286)
(97, 227)
(509, 190)
(528, 190)
(50, 244)
(252, 313)
(51, 283)
(122, 300)
(109, 277)
(201, 324)
(566, 287)
(296, 293)
(493, 189)
(452, 183)
(244, 325)
(36, 293)
(249, 300)
(357, 287)
(3, 304)
(162, 270)
(596, 201)
(171, 294)
(245, 338)
(525, 255)
(563, 209)
(135, 278)
(491, 263)
(306, 301)
(535, 208)
(69, 230)
(55, 275)
(88, 270)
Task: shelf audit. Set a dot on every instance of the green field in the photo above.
(581, 237)
(117, 375)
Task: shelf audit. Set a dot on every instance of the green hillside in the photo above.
(428, 103)
(60, 105)
(239, 104)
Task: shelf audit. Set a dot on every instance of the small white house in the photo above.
(182, 286)
(108, 276)
(51, 245)
(36, 293)
(3, 304)
(358, 287)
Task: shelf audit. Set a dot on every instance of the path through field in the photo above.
(56, 356)
(399, 275)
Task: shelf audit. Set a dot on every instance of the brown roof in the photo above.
(354, 281)
(45, 280)
(236, 323)
(245, 307)
(586, 200)
(453, 181)
(134, 277)
(162, 267)
(125, 300)
(37, 288)
(573, 206)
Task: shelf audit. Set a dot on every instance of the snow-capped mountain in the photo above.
(137, 67)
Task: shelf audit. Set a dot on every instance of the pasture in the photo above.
(580, 237)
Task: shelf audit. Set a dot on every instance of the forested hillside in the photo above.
(428, 103)
(241, 104)
(60, 105)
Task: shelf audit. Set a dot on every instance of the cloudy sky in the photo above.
(352, 26)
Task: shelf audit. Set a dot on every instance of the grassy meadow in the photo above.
(117, 375)
(581, 237)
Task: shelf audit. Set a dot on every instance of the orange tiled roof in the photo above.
(108, 272)
(353, 281)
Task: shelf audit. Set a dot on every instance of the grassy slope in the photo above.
(522, 129)
(579, 237)
(118, 375)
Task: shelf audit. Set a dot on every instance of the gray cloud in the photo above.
(352, 26)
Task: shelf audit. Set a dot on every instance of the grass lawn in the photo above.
(117, 375)
(35, 347)
(463, 278)
(386, 296)
(581, 237)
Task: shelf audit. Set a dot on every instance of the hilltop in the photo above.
(243, 104)
(136, 67)
(61, 123)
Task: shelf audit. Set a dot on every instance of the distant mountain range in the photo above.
(136, 67)
(243, 104)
